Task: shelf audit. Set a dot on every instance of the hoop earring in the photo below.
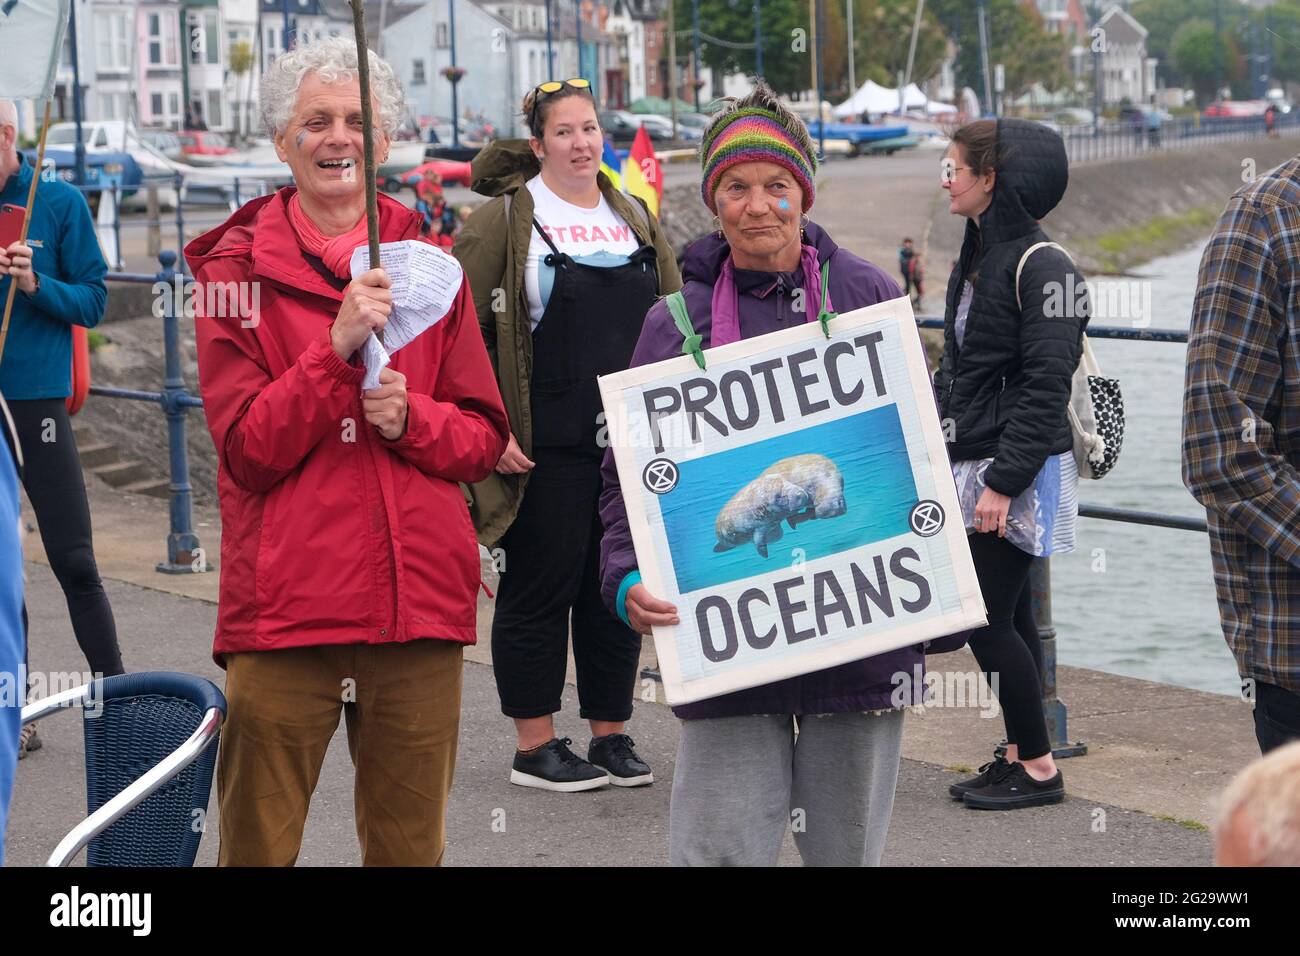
(803, 221)
(717, 225)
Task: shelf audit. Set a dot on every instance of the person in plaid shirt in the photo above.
(1241, 438)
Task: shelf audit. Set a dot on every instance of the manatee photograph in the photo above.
(801, 496)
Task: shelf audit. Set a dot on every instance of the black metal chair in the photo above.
(151, 745)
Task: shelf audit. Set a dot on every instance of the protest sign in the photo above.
(794, 501)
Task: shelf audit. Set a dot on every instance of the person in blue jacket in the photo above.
(11, 623)
(59, 272)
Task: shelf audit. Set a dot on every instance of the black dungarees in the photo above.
(592, 321)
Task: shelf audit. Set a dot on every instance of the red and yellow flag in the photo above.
(641, 172)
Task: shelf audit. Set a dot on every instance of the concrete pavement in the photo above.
(491, 822)
(1158, 755)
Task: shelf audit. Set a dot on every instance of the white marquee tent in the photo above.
(871, 97)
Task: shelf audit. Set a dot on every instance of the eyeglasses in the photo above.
(948, 171)
(553, 86)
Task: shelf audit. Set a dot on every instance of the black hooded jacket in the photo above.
(1004, 393)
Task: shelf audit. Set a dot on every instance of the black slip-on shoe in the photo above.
(613, 753)
(553, 766)
(1015, 789)
(984, 776)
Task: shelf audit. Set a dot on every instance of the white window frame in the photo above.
(112, 46)
(214, 109)
(418, 75)
(113, 106)
(169, 114)
(165, 39)
(440, 35)
(202, 26)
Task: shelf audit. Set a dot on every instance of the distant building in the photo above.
(417, 43)
(626, 23)
(1065, 18)
(1127, 73)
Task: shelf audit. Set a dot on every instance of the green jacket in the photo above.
(492, 247)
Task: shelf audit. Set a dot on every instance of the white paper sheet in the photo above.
(425, 281)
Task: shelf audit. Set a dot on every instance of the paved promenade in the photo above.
(1158, 754)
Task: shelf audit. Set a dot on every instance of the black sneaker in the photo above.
(614, 754)
(1015, 789)
(986, 775)
(553, 766)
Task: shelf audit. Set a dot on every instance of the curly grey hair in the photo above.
(332, 59)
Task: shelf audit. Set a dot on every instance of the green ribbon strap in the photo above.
(690, 340)
(824, 316)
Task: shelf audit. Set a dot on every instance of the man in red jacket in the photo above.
(349, 564)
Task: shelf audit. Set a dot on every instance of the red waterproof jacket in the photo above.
(330, 533)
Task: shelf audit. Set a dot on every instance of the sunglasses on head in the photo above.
(554, 86)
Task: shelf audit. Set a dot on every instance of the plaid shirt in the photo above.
(1241, 421)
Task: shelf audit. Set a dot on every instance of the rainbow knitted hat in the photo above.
(754, 135)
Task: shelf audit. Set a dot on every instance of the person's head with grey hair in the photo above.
(8, 140)
(1259, 813)
(759, 167)
(312, 107)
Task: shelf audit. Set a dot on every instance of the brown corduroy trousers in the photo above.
(401, 703)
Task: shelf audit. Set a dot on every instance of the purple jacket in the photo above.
(765, 306)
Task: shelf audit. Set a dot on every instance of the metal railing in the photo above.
(1040, 572)
(1120, 140)
(184, 556)
(238, 192)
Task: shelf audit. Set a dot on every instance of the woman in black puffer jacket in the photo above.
(1004, 386)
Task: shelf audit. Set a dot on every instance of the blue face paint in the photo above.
(298, 140)
(784, 204)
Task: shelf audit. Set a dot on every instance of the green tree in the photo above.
(788, 41)
(1163, 18)
(241, 64)
(1201, 55)
(1281, 35)
(1017, 40)
(882, 33)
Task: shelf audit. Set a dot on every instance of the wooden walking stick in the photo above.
(27, 221)
(367, 129)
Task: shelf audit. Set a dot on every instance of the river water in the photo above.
(1132, 599)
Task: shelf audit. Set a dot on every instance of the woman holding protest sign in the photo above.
(563, 268)
(1011, 346)
(742, 779)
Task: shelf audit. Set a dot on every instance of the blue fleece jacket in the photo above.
(12, 683)
(37, 361)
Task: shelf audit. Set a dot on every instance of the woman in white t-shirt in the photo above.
(563, 268)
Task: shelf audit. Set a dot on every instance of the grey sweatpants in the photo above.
(740, 782)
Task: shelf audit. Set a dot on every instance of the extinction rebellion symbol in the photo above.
(660, 476)
(926, 518)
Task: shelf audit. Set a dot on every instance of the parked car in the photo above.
(620, 126)
(698, 121)
(452, 173)
(204, 143)
(163, 140)
(1236, 108)
(685, 133)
